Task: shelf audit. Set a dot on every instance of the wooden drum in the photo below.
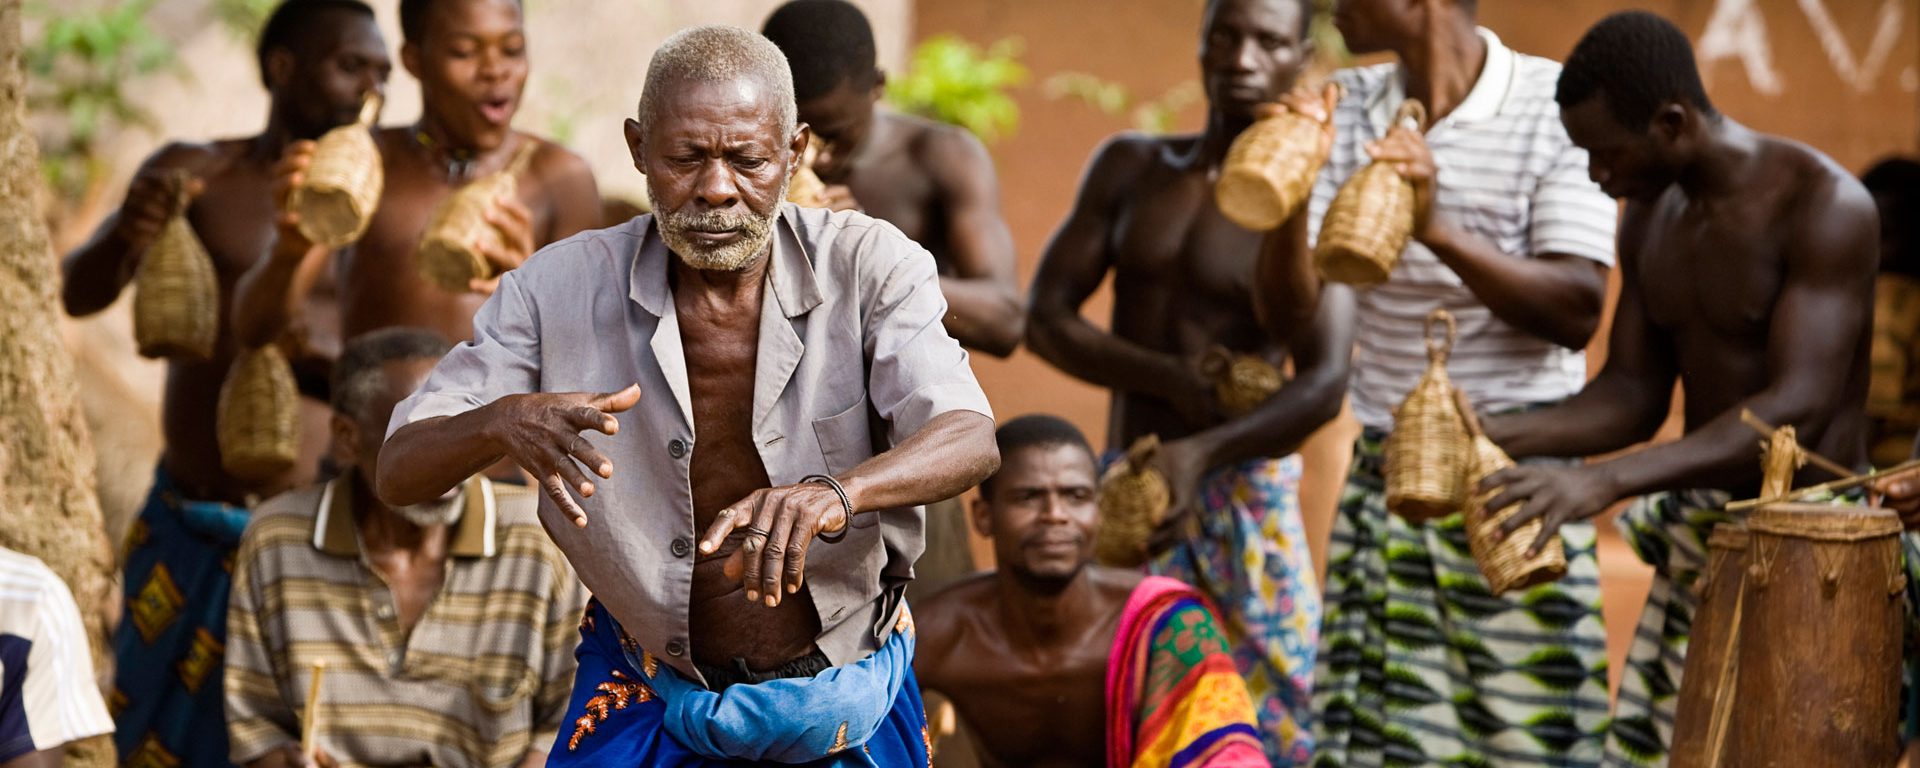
(1819, 661)
(1707, 690)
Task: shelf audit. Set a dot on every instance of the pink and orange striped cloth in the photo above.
(1174, 698)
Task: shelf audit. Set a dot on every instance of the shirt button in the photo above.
(680, 547)
(393, 659)
(384, 611)
(677, 448)
(676, 648)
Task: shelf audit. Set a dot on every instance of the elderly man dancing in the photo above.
(779, 350)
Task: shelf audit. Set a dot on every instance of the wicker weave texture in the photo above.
(176, 299)
(1369, 221)
(259, 417)
(343, 182)
(1269, 171)
(1133, 499)
(1428, 449)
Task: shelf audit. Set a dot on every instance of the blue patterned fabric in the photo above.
(171, 645)
(629, 710)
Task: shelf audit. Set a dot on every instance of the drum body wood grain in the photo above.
(1818, 670)
(1707, 686)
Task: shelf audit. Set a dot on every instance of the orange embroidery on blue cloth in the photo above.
(614, 695)
(202, 657)
(157, 603)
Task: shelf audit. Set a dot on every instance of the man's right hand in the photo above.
(541, 433)
(1901, 493)
(1316, 106)
(288, 175)
(149, 203)
(289, 755)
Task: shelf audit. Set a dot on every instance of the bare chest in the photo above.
(1710, 276)
(721, 348)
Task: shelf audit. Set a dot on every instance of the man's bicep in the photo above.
(1076, 258)
(1825, 306)
(981, 244)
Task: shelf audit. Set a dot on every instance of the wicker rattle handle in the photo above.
(1467, 415)
(1412, 116)
(181, 180)
(1141, 453)
(1439, 348)
(369, 110)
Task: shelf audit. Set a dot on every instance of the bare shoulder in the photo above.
(1116, 585)
(1826, 205)
(556, 164)
(198, 158)
(954, 605)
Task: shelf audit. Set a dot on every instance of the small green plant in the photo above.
(80, 73)
(953, 81)
(1113, 99)
(243, 18)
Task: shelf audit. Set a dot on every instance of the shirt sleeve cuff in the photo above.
(932, 400)
(427, 405)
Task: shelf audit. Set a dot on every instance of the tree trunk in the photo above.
(47, 503)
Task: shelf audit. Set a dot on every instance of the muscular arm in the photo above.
(1823, 306)
(1322, 352)
(983, 306)
(1554, 297)
(1624, 404)
(269, 297)
(951, 454)
(96, 272)
(1074, 264)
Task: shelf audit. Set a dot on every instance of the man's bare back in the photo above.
(380, 281)
(1041, 706)
(1711, 273)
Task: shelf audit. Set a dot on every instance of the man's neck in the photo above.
(1442, 68)
(272, 142)
(1721, 164)
(720, 286)
(1217, 137)
(385, 532)
(1043, 619)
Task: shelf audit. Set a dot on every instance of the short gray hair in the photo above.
(358, 375)
(718, 53)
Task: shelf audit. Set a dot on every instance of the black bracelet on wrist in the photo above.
(845, 504)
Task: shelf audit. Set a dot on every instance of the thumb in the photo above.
(1331, 93)
(615, 402)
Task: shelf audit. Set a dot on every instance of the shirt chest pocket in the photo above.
(846, 440)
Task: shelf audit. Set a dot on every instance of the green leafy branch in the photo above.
(953, 81)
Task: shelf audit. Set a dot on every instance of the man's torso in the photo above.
(1711, 275)
(1182, 277)
(893, 184)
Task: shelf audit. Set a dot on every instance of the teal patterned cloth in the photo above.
(1422, 665)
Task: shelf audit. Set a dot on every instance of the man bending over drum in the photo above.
(1747, 265)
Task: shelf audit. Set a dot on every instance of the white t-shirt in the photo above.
(1508, 174)
(48, 694)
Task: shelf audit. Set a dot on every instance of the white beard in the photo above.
(756, 232)
(439, 512)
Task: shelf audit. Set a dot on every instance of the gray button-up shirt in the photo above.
(853, 357)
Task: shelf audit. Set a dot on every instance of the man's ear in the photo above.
(879, 84)
(280, 65)
(410, 58)
(346, 441)
(1671, 122)
(981, 516)
(636, 143)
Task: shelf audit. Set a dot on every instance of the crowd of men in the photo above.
(683, 489)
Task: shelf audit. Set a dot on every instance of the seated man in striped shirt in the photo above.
(1419, 663)
(447, 627)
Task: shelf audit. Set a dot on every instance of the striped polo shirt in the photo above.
(48, 693)
(1508, 174)
(482, 679)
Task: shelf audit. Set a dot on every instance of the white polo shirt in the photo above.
(1508, 174)
(48, 694)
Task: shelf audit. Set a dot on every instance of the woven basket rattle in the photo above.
(342, 186)
(259, 416)
(176, 299)
(1370, 220)
(1427, 451)
(1269, 171)
(806, 189)
(1240, 382)
(458, 233)
(1504, 563)
(1133, 499)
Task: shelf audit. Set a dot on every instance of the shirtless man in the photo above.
(933, 181)
(1184, 281)
(1025, 651)
(470, 57)
(1747, 266)
(776, 346)
(317, 58)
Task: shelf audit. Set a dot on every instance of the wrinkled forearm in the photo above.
(947, 457)
(421, 461)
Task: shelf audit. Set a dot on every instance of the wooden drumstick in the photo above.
(312, 716)
(1766, 430)
(1897, 470)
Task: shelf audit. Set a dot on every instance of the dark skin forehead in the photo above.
(1592, 126)
(1283, 18)
(716, 116)
(464, 19)
(1028, 470)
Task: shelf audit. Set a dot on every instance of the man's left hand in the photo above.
(1901, 494)
(779, 524)
(1554, 495)
(1406, 149)
(515, 224)
(1183, 463)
